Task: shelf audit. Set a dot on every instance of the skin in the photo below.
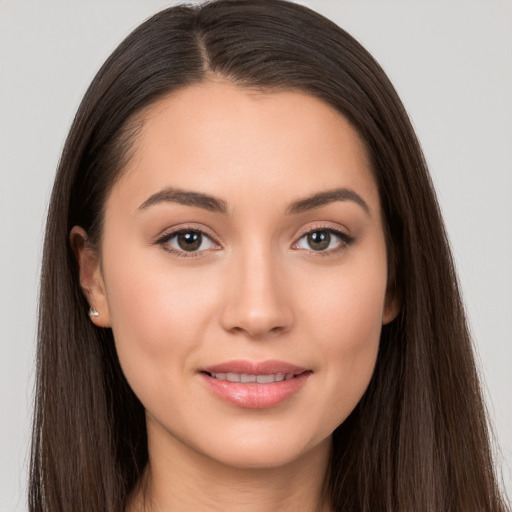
(258, 291)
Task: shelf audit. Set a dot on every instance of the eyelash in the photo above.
(346, 240)
(166, 237)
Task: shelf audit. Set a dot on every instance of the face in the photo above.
(243, 272)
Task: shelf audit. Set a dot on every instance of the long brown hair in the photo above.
(418, 439)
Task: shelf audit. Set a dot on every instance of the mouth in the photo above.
(246, 378)
(255, 385)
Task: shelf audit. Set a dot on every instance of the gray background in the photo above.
(450, 62)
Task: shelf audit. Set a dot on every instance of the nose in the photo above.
(257, 296)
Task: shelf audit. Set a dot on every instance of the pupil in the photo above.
(189, 240)
(319, 240)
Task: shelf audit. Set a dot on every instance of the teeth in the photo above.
(265, 379)
(246, 378)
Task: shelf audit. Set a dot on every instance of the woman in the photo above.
(257, 304)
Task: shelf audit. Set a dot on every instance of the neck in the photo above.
(178, 479)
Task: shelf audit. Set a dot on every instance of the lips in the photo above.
(255, 385)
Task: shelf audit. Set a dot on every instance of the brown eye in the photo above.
(319, 240)
(189, 240)
(324, 240)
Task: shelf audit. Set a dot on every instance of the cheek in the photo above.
(157, 315)
(346, 304)
(346, 316)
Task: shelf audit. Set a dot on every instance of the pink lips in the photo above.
(229, 382)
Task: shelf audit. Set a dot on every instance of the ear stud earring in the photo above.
(93, 312)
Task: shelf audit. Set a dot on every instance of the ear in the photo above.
(91, 275)
(392, 304)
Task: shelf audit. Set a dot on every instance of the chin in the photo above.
(266, 452)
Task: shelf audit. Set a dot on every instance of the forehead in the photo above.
(226, 140)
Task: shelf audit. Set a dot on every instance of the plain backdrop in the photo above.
(451, 63)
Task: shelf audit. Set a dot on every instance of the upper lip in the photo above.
(255, 367)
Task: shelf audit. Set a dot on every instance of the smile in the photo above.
(246, 378)
(255, 385)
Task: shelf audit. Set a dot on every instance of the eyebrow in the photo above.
(187, 198)
(213, 204)
(326, 197)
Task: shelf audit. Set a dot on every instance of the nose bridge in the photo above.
(257, 302)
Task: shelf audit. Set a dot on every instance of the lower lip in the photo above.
(255, 396)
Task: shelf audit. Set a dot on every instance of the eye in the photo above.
(186, 241)
(325, 240)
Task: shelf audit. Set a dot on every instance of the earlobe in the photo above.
(91, 277)
(392, 305)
